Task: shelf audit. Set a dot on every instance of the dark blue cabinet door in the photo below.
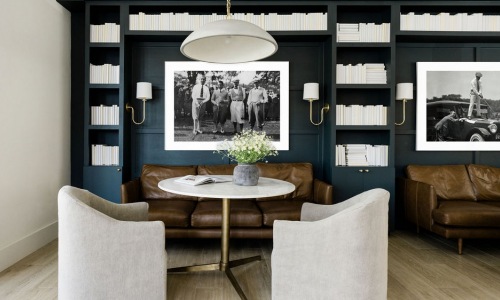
(350, 181)
(103, 181)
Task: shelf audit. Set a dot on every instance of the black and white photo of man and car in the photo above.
(463, 106)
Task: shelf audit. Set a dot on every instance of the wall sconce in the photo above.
(311, 93)
(144, 93)
(404, 92)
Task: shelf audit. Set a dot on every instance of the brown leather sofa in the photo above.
(454, 201)
(193, 217)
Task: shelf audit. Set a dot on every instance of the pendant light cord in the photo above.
(228, 9)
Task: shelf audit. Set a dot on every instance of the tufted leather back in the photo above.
(300, 174)
(152, 174)
(450, 181)
(486, 181)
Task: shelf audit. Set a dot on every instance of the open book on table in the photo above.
(201, 179)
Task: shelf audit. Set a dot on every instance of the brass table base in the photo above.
(224, 265)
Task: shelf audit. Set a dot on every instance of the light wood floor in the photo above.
(421, 266)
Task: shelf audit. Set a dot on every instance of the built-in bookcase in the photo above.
(103, 117)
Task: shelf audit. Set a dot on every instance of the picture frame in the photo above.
(271, 77)
(445, 119)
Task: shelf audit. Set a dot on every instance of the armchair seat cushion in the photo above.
(244, 213)
(467, 214)
(280, 210)
(174, 213)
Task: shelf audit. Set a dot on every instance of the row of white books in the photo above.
(103, 155)
(187, 22)
(104, 115)
(449, 22)
(361, 114)
(363, 33)
(106, 73)
(107, 33)
(352, 155)
(362, 73)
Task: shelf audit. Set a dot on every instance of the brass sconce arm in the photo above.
(324, 110)
(129, 107)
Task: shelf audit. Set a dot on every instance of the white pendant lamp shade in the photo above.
(229, 41)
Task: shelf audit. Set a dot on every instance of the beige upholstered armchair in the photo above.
(334, 252)
(106, 251)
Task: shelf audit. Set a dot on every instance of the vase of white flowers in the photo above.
(246, 149)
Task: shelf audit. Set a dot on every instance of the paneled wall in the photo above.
(147, 140)
(408, 54)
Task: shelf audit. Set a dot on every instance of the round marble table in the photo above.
(267, 187)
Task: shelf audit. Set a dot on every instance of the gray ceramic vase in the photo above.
(246, 174)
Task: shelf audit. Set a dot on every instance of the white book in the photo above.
(201, 179)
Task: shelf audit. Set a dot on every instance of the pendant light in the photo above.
(229, 41)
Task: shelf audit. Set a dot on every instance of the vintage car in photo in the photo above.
(447, 121)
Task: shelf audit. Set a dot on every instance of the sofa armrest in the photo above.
(131, 191)
(420, 200)
(323, 192)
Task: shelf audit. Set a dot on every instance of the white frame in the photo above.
(491, 72)
(172, 67)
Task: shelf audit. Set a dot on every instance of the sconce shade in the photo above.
(311, 91)
(404, 91)
(144, 91)
(229, 41)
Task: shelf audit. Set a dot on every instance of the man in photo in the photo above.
(257, 96)
(200, 96)
(220, 107)
(237, 95)
(476, 94)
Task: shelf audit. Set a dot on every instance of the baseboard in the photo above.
(27, 245)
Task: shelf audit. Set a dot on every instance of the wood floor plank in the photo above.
(423, 266)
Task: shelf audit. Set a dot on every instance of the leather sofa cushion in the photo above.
(244, 213)
(450, 181)
(486, 182)
(300, 174)
(280, 210)
(152, 174)
(467, 214)
(174, 213)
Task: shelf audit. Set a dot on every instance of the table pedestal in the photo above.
(225, 264)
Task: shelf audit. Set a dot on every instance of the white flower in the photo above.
(247, 147)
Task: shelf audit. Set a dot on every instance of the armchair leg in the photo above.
(460, 245)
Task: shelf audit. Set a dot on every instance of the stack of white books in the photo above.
(449, 22)
(352, 155)
(376, 74)
(361, 114)
(363, 32)
(107, 33)
(186, 22)
(361, 73)
(103, 155)
(104, 115)
(104, 74)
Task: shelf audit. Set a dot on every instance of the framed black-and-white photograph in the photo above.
(207, 103)
(458, 106)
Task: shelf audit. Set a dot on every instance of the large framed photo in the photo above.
(208, 103)
(458, 107)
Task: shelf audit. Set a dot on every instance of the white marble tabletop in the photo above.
(267, 187)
